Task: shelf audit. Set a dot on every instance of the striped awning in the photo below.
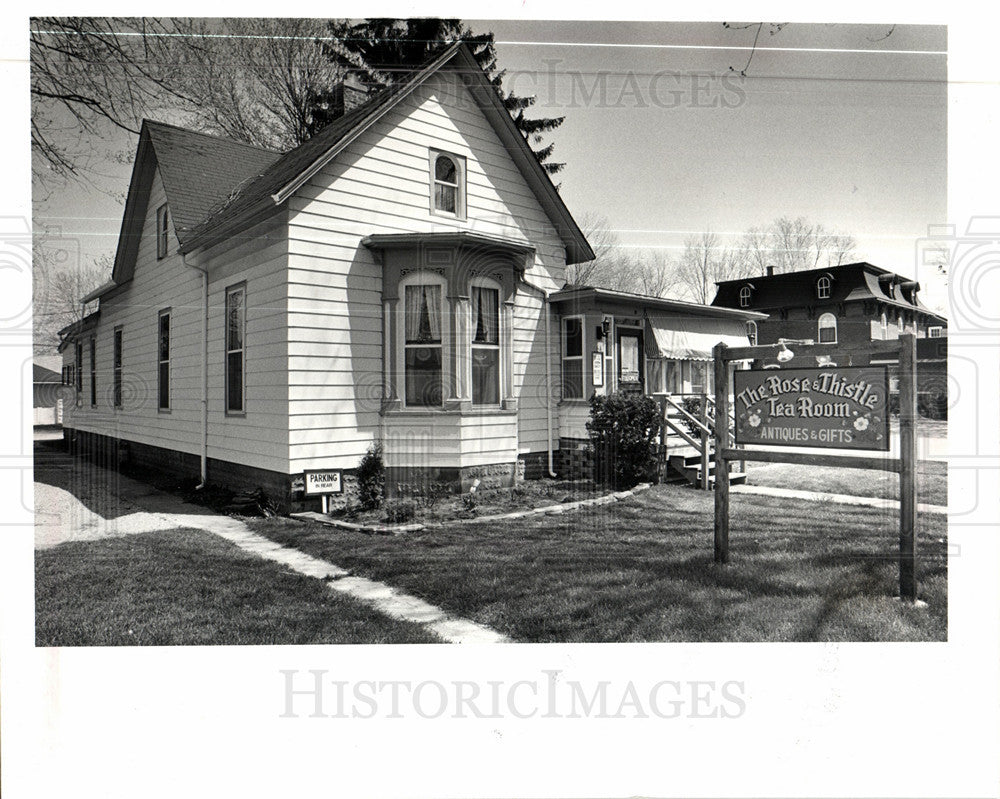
(691, 337)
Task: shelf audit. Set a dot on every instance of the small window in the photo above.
(745, 297)
(827, 329)
(885, 327)
(572, 362)
(163, 362)
(823, 288)
(935, 332)
(235, 349)
(162, 231)
(447, 184)
(423, 345)
(118, 368)
(485, 346)
(752, 333)
(93, 372)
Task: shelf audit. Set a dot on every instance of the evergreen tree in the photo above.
(383, 51)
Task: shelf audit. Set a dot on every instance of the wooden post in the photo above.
(704, 442)
(907, 467)
(326, 504)
(721, 464)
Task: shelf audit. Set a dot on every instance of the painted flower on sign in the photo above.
(754, 420)
(861, 423)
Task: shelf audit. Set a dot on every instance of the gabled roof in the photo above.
(74, 329)
(199, 174)
(286, 174)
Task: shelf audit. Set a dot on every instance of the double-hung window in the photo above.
(572, 361)
(236, 316)
(827, 329)
(422, 345)
(485, 345)
(93, 372)
(117, 397)
(78, 369)
(163, 362)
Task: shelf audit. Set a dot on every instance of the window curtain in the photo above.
(486, 315)
(423, 314)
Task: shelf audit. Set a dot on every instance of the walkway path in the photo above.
(843, 499)
(125, 506)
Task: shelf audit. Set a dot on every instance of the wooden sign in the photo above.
(325, 481)
(833, 407)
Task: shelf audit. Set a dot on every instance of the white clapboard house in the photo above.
(398, 280)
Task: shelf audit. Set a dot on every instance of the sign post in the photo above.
(323, 483)
(721, 461)
(828, 407)
(907, 468)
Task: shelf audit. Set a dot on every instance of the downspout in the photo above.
(204, 373)
(548, 371)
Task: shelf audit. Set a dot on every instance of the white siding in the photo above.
(261, 438)
(379, 184)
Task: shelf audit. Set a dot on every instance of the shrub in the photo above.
(623, 430)
(371, 479)
(398, 511)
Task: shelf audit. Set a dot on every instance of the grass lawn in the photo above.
(932, 480)
(642, 570)
(190, 587)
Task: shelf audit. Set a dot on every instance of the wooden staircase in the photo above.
(687, 443)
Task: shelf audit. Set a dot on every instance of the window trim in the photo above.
(746, 294)
(820, 328)
(117, 356)
(242, 410)
(492, 285)
(162, 232)
(938, 334)
(563, 357)
(460, 185)
(93, 371)
(824, 288)
(423, 277)
(165, 312)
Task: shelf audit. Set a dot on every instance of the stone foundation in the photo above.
(575, 459)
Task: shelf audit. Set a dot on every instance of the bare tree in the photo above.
(792, 245)
(255, 80)
(58, 285)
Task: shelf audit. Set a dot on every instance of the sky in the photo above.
(842, 124)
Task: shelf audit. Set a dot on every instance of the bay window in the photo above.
(485, 345)
(422, 345)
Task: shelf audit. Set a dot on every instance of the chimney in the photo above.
(350, 93)
(770, 271)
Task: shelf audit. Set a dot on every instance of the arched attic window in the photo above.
(447, 184)
(752, 333)
(823, 287)
(746, 292)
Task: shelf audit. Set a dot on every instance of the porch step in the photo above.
(688, 467)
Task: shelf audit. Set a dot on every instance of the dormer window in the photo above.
(885, 327)
(752, 333)
(745, 292)
(823, 288)
(447, 184)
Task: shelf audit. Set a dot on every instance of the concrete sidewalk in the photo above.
(68, 507)
(843, 499)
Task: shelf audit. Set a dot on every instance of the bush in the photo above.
(398, 511)
(623, 430)
(933, 404)
(371, 479)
